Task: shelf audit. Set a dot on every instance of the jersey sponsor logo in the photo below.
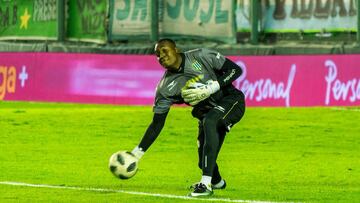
(196, 65)
(230, 76)
(171, 85)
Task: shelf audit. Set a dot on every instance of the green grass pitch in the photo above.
(273, 154)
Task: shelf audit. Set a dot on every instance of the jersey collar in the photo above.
(182, 65)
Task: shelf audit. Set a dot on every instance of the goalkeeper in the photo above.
(203, 79)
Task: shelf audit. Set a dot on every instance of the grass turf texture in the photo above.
(273, 154)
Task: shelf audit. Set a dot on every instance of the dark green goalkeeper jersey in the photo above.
(199, 65)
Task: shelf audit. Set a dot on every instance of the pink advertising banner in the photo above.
(324, 80)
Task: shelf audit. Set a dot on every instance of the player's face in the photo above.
(167, 55)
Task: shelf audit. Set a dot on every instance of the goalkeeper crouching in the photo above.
(203, 79)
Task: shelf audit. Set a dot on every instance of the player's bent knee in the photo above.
(211, 120)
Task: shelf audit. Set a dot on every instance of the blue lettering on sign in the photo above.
(139, 10)
(221, 16)
(140, 7)
(191, 11)
(174, 11)
(122, 14)
(206, 16)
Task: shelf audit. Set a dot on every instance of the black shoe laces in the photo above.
(200, 187)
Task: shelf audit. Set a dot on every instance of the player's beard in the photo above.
(167, 64)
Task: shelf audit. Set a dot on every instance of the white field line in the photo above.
(131, 192)
(344, 109)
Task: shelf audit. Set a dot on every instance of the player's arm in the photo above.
(161, 110)
(151, 134)
(228, 72)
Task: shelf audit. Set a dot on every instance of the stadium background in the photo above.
(105, 48)
(131, 27)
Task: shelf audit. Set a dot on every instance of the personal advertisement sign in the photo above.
(284, 81)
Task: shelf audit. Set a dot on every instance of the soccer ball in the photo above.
(123, 164)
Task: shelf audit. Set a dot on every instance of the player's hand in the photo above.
(198, 92)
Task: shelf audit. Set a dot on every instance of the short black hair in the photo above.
(167, 40)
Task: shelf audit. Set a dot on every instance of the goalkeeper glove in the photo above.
(137, 152)
(199, 92)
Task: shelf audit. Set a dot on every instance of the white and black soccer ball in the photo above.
(123, 164)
